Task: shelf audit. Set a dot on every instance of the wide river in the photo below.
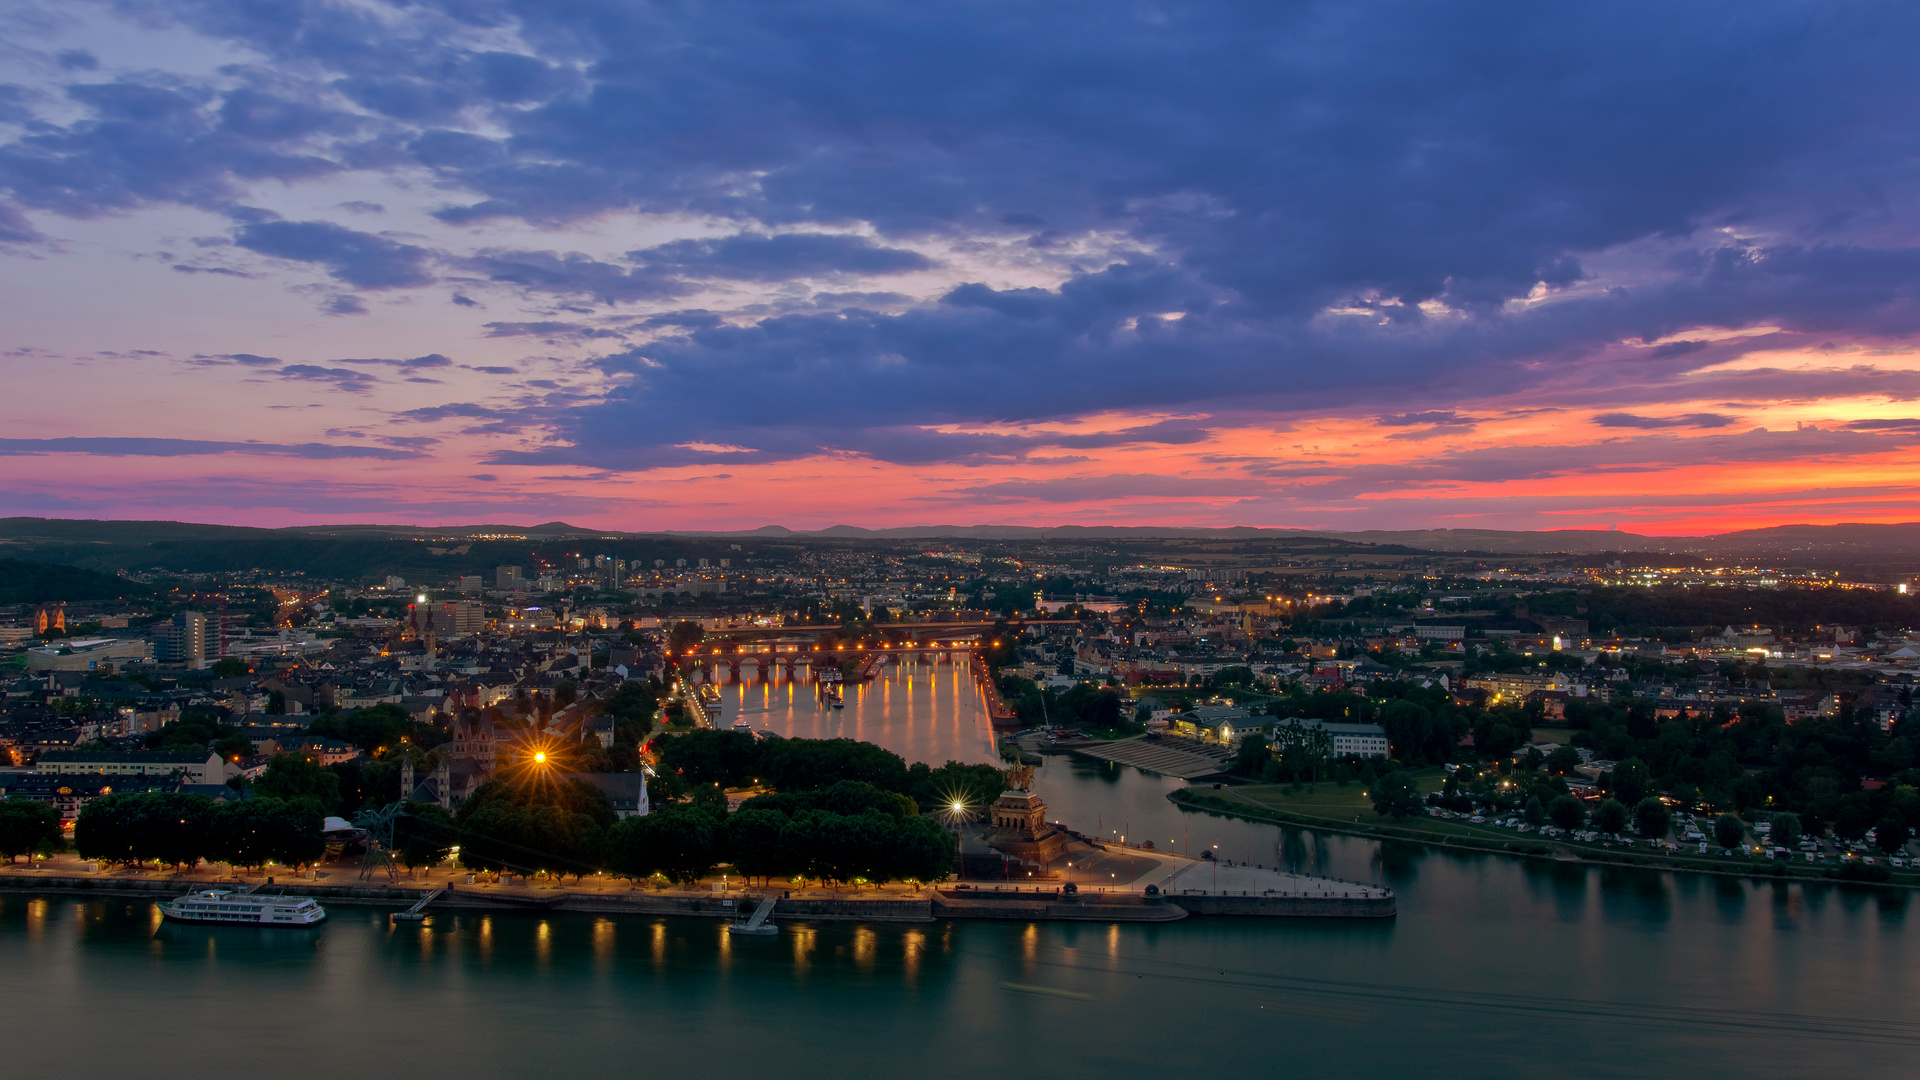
(1494, 967)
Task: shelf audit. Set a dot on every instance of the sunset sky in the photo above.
(726, 264)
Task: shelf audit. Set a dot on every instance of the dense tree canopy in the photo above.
(26, 827)
(554, 825)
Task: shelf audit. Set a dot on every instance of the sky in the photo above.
(719, 265)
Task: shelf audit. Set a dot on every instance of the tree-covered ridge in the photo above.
(25, 582)
(1611, 609)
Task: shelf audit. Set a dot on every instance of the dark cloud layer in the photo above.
(355, 258)
(779, 258)
(1311, 205)
(1692, 420)
(144, 447)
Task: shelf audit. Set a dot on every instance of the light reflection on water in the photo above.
(1488, 957)
(931, 712)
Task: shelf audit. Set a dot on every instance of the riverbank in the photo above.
(1306, 898)
(1420, 831)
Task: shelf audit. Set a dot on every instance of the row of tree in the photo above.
(185, 830)
(823, 824)
(734, 759)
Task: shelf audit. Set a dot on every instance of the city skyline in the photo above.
(1318, 266)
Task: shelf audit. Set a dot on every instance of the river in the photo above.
(1493, 966)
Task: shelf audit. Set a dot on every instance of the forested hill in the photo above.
(1636, 610)
(23, 582)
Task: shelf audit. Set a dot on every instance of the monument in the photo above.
(1017, 821)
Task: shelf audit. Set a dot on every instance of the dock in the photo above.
(1182, 759)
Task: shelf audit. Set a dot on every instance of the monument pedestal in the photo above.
(1019, 827)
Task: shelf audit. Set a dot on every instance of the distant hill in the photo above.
(1893, 540)
(1501, 542)
(1492, 541)
(434, 553)
(23, 582)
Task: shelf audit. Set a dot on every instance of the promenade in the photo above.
(1113, 883)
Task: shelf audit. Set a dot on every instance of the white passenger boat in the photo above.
(247, 909)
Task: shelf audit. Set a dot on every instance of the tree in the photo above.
(105, 830)
(1536, 812)
(1786, 829)
(1395, 794)
(753, 844)
(1301, 749)
(424, 835)
(969, 785)
(684, 635)
(1729, 832)
(1253, 756)
(807, 764)
(632, 706)
(26, 827)
(729, 758)
(1650, 816)
(1563, 760)
(259, 830)
(228, 667)
(376, 728)
(534, 823)
(177, 827)
(297, 777)
(1567, 812)
(1630, 781)
(673, 842)
(1610, 816)
(1891, 834)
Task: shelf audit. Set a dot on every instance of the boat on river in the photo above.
(243, 908)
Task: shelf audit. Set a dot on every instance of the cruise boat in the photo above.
(227, 906)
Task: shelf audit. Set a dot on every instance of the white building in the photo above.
(194, 766)
(86, 654)
(1355, 740)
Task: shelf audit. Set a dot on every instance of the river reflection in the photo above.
(931, 712)
(1494, 966)
(1527, 969)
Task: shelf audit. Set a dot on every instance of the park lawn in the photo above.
(1560, 735)
(1329, 800)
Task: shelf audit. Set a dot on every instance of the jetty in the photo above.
(1182, 759)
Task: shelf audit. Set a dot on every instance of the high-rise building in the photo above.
(508, 577)
(460, 618)
(472, 583)
(183, 640)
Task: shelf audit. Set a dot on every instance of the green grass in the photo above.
(1329, 800)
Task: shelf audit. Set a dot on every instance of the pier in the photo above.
(1182, 759)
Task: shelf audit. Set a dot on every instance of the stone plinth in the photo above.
(1018, 826)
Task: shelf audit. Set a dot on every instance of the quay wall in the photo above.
(1291, 907)
(475, 899)
(926, 909)
(808, 908)
(947, 907)
(98, 886)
